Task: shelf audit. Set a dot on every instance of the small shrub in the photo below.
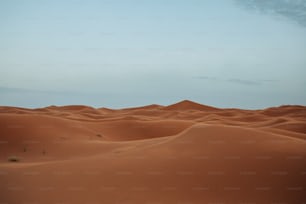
(98, 135)
(13, 159)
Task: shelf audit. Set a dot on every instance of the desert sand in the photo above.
(181, 153)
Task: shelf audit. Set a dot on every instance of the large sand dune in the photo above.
(182, 153)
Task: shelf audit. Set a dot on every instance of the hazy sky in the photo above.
(119, 53)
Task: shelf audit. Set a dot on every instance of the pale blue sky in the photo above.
(119, 53)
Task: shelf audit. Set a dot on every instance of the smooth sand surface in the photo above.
(182, 153)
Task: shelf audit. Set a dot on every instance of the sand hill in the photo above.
(182, 153)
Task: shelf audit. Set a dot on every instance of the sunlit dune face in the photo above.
(163, 154)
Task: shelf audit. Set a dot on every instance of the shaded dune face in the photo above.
(183, 153)
(124, 130)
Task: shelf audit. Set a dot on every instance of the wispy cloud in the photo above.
(11, 90)
(14, 90)
(30, 98)
(240, 81)
(294, 10)
(205, 77)
(245, 82)
(4, 89)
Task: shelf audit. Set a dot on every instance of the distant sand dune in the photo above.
(181, 153)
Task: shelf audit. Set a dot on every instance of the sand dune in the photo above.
(181, 153)
(189, 105)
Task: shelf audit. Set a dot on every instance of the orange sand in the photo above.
(182, 153)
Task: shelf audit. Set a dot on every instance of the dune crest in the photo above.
(182, 153)
(189, 105)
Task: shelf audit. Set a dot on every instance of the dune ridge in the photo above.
(182, 153)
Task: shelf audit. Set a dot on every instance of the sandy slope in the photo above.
(182, 153)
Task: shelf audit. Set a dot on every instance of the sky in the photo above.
(247, 54)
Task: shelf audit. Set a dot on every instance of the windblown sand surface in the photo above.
(182, 153)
